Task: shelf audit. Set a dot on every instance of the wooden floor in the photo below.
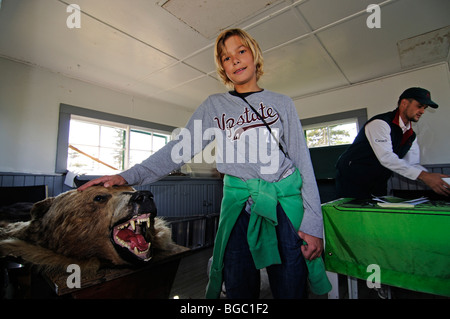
(191, 278)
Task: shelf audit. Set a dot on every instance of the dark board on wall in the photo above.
(324, 160)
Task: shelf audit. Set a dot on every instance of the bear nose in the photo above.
(141, 197)
(142, 202)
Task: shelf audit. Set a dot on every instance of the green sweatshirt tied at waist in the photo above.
(261, 234)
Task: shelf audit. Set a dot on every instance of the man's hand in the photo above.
(435, 182)
(107, 181)
(313, 247)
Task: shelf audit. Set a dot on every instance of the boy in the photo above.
(269, 181)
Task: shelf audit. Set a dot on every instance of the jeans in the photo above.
(242, 279)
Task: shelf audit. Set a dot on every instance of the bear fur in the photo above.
(78, 228)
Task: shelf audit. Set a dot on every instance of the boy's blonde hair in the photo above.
(247, 41)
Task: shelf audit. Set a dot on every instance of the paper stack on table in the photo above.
(391, 201)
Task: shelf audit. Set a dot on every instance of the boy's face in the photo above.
(239, 65)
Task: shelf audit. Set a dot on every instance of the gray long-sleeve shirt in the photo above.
(244, 147)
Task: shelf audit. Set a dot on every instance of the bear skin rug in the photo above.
(98, 227)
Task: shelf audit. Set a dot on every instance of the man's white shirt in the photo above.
(378, 133)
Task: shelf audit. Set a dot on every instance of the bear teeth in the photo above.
(134, 221)
(132, 226)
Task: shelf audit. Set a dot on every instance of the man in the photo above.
(386, 144)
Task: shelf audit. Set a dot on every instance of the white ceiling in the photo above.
(164, 49)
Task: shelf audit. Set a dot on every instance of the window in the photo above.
(326, 136)
(95, 148)
(333, 129)
(97, 143)
(100, 147)
(332, 133)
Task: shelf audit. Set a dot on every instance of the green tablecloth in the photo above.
(411, 246)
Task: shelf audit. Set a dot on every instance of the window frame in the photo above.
(359, 114)
(65, 113)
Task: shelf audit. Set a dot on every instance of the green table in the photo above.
(411, 246)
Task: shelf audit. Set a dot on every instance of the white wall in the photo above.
(29, 111)
(381, 95)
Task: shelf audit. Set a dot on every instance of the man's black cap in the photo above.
(420, 95)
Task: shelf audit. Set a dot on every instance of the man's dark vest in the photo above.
(359, 168)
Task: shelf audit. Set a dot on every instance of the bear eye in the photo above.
(100, 198)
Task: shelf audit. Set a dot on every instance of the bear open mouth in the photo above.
(131, 235)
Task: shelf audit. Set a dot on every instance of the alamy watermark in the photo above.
(374, 19)
(374, 279)
(74, 279)
(256, 146)
(73, 21)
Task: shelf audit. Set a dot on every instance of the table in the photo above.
(410, 246)
(150, 281)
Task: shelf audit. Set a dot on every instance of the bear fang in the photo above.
(197, 309)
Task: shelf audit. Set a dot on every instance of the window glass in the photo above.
(159, 141)
(333, 133)
(100, 147)
(140, 140)
(83, 133)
